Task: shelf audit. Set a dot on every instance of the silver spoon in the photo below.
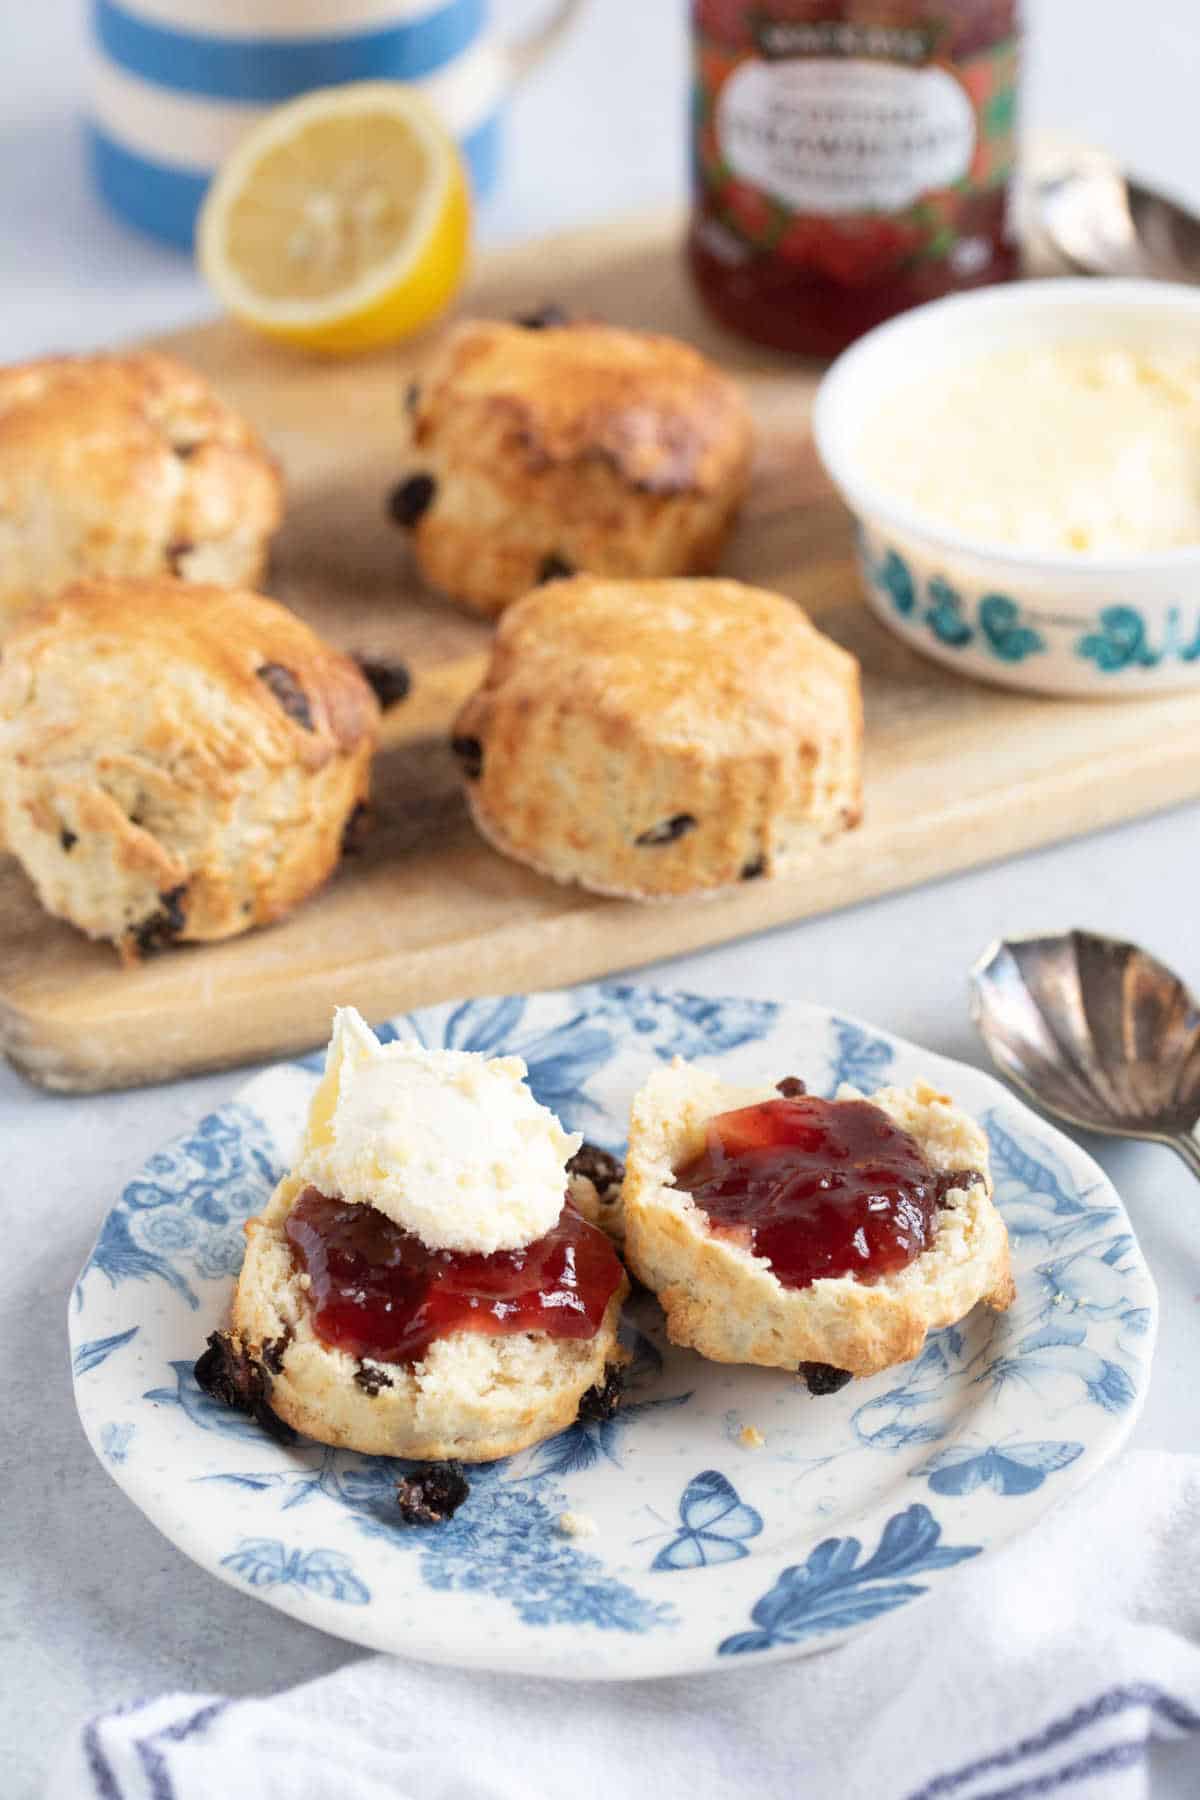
(1095, 1031)
(1105, 223)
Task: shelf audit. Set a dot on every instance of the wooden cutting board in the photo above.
(956, 773)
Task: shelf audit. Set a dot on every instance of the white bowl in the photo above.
(1052, 622)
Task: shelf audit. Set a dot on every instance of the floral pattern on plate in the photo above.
(733, 1513)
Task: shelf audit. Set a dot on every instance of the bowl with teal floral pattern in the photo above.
(1079, 621)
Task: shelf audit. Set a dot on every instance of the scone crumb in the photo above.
(751, 1438)
(576, 1525)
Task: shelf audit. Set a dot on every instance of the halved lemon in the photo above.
(341, 221)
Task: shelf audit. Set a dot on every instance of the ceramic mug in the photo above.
(175, 83)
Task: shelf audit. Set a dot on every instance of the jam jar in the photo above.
(851, 158)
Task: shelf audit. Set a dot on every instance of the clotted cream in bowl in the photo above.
(1023, 464)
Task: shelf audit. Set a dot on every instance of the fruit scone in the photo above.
(657, 739)
(548, 446)
(126, 465)
(419, 1285)
(824, 1236)
(178, 762)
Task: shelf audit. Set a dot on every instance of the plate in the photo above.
(706, 1551)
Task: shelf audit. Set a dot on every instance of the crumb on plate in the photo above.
(572, 1524)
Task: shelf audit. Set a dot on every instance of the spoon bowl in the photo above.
(1095, 1031)
(1105, 223)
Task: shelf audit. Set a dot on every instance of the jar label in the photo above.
(831, 136)
(849, 158)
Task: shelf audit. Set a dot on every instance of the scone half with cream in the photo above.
(827, 1237)
(418, 1285)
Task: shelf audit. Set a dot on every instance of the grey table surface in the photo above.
(96, 1607)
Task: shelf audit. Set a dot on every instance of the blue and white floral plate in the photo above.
(705, 1550)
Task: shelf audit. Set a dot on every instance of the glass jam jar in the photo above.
(851, 158)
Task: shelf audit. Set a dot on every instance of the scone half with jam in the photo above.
(419, 1285)
(797, 1233)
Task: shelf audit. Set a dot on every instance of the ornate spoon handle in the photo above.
(1187, 1143)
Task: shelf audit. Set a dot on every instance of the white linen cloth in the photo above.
(1067, 1663)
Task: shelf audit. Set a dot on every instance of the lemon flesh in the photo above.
(341, 222)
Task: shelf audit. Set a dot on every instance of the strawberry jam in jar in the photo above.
(851, 158)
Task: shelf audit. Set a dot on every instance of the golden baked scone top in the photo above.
(308, 701)
(126, 465)
(707, 663)
(139, 400)
(659, 738)
(665, 417)
(177, 762)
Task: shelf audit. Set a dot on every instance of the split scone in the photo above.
(419, 1284)
(539, 449)
(177, 762)
(797, 1233)
(126, 465)
(658, 738)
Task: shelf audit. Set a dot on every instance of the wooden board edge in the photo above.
(583, 943)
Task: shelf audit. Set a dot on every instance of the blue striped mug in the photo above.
(175, 83)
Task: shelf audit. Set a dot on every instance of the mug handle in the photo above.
(524, 53)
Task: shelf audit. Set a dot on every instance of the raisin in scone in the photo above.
(419, 1285)
(177, 763)
(595, 1179)
(797, 1233)
(126, 465)
(660, 738)
(534, 453)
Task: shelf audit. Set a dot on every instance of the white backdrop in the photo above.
(95, 1607)
(599, 128)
